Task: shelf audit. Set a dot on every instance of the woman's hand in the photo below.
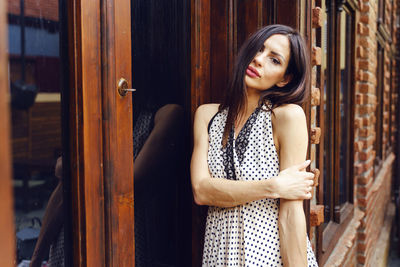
(294, 182)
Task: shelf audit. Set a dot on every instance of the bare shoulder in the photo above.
(205, 112)
(288, 121)
(290, 113)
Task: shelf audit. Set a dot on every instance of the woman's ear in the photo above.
(285, 80)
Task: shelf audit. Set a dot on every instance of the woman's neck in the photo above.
(252, 101)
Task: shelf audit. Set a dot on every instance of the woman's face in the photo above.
(269, 65)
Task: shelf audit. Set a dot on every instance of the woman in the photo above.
(256, 215)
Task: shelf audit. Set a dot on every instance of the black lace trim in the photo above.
(241, 143)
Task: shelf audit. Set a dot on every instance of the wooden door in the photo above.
(218, 29)
(101, 133)
(96, 128)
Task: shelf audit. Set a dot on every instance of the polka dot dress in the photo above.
(246, 235)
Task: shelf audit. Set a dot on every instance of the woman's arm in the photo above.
(292, 182)
(290, 130)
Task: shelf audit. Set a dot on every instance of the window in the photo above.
(337, 117)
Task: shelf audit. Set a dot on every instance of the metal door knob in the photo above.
(123, 87)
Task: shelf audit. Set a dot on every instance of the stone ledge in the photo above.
(346, 241)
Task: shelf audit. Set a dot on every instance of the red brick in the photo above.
(365, 42)
(364, 7)
(317, 17)
(361, 236)
(365, 88)
(315, 96)
(316, 56)
(366, 132)
(358, 146)
(364, 19)
(364, 155)
(316, 215)
(364, 64)
(315, 135)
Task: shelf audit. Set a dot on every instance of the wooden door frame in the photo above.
(101, 133)
(100, 130)
(7, 232)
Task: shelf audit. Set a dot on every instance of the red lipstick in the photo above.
(252, 72)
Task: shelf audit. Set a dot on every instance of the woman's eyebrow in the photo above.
(277, 54)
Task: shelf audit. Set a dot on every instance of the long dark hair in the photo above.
(293, 92)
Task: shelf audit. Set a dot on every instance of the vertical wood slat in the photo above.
(288, 16)
(329, 107)
(221, 49)
(249, 18)
(336, 112)
(118, 139)
(200, 52)
(7, 241)
(200, 93)
(77, 214)
(86, 127)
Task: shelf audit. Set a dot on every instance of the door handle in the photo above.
(123, 87)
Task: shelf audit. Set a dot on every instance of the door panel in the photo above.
(34, 89)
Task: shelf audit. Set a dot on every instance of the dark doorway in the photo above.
(161, 119)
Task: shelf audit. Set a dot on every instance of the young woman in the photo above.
(256, 215)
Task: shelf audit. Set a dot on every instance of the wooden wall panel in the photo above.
(7, 241)
(288, 13)
(200, 53)
(248, 19)
(220, 53)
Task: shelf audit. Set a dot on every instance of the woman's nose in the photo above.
(258, 59)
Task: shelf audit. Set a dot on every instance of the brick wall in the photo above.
(47, 9)
(372, 182)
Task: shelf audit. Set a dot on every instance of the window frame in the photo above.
(340, 215)
(378, 144)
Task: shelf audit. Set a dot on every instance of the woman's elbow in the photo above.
(198, 200)
(197, 195)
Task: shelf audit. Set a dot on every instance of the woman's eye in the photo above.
(275, 61)
(261, 49)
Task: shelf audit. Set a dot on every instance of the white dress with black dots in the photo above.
(246, 235)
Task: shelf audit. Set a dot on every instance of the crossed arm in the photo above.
(290, 183)
(290, 130)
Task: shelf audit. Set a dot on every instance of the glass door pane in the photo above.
(35, 82)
